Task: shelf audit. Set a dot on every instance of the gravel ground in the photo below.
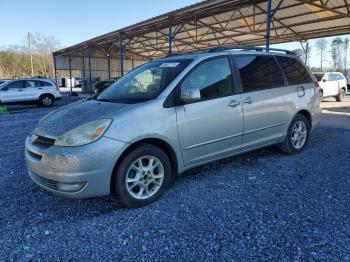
(260, 206)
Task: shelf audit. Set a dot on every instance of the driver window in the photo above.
(15, 85)
(213, 78)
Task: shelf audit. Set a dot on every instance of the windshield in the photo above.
(319, 76)
(144, 83)
(2, 84)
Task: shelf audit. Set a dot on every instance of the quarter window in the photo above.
(213, 78)
(259, 72)
(295, 72)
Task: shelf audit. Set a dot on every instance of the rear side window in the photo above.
(42, 83)
(30, 83)
(259, 72)
(213, 78)
(339, 77)
(295, 72)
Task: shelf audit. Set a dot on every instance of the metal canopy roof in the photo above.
(224, 22)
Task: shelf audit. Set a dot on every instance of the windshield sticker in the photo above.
(169, 64)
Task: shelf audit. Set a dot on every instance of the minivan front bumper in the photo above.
(73, 172)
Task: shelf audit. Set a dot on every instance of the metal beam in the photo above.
(70, 75)
(109, 67)
(121, 50)
(324, 7)
(170, 36)
(90, 75)
(83, 71)
(54, 68)
(276, 8)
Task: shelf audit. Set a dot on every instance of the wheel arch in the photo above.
(307, 114)
(47, 94)
(165, 146)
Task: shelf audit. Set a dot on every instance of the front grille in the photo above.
(44, 181)
(44, 141)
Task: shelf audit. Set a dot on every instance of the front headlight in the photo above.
(84, 134)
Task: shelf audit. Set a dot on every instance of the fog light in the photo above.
(71, 187)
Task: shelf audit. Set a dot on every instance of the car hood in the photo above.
(74, 115)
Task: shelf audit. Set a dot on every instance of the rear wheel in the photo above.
(143, 176)
(321, 94)
(46, 100)
(297, 135)
(340, 96)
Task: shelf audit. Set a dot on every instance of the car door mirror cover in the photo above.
(190, 95)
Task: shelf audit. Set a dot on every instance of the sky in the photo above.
(74, 21)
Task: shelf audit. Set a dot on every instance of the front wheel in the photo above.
(340, 96)
(297, 135)
(143, 176)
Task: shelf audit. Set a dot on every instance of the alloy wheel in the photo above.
(299, 134)
(47, 101)
(144, 177)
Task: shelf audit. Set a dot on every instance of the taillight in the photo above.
(57, 87)
(317, 86)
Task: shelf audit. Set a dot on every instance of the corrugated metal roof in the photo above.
(225, 22)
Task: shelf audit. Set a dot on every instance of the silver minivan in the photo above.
(170, 115)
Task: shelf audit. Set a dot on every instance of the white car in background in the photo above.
(39, 91)
(332, 84)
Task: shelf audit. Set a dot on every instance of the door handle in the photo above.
(248, 100)
(301, 91)
(20, 90)
(40, 88)
(234, 103)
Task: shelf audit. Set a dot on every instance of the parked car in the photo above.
(102, 85)
(170, 115)
(27, 91)
(332, 84)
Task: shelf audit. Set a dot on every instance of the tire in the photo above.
(321, 94)
(340, 96)
(147, 178)
(46, 100)
(290, 145)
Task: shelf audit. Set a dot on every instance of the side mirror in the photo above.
(4, 89)
(190, 95)
(324, 80)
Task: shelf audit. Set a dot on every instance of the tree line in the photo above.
(333, 56)
(15, 61)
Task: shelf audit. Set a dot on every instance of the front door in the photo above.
(212, 127)
(13, 92)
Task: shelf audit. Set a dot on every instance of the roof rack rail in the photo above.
(242, 47)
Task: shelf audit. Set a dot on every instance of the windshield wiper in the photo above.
(105, 100)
